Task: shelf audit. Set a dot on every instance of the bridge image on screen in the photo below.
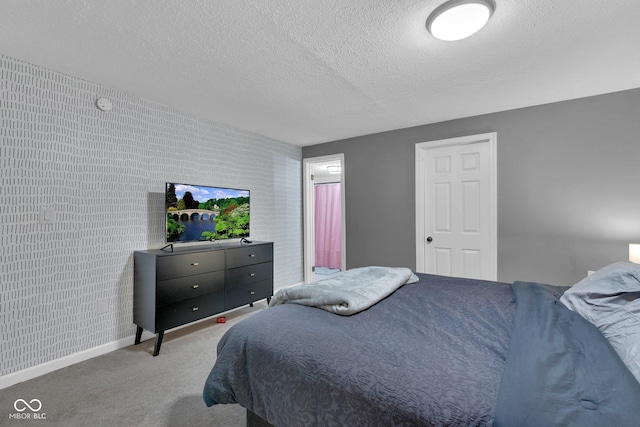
(202, 213)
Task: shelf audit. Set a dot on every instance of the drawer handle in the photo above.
(252, 292)
(194, 308)
(196, 286)
(195, 264)
(252, 255)
(252, 274)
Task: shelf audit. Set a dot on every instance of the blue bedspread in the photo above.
(561, 370)
(431, 354)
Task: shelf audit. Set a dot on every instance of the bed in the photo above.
(438, 352)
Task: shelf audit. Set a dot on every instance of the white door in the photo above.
(456, 207)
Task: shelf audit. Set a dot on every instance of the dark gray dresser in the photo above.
(175, 288)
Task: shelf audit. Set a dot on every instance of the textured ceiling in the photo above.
(312, 71)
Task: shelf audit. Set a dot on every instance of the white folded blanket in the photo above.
(348, 292)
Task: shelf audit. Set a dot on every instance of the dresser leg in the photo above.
(138, 335)
(156, 348)
(268, 300)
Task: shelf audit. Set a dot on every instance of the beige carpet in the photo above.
(130, 387)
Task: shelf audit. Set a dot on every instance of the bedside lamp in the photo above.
(634, 252)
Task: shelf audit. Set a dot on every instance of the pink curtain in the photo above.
(328, 225)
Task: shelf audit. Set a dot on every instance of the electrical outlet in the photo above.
(102, 306)
(47, 214)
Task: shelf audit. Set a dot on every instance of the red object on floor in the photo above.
(221, 319)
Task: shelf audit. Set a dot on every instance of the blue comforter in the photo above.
(561, 370)
(434, 353)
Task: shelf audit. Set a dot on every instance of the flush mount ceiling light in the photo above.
(458, 19)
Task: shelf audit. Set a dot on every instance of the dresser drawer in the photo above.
(169, 267)
(242, 295)
(188, 310)
(239, 257)
(252, 273)
(173, 290)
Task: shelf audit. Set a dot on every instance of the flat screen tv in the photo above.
(197, 213)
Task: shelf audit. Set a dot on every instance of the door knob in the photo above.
(429, 239)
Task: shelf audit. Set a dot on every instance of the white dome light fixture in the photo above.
(458, 19)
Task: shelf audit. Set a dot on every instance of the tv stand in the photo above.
(175, 288)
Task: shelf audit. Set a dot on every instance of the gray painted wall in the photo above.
(568, 187)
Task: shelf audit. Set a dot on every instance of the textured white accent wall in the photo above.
(103, 175)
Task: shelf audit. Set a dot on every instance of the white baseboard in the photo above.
(53, 365)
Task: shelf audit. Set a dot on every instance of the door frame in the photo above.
(308, 201)
(422, 216)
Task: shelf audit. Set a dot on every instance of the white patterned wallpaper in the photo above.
(103, 174)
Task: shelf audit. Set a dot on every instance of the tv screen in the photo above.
(197, 213)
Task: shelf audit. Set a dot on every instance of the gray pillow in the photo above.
(610, 299)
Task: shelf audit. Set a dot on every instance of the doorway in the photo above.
(324, 216)
(456, 207)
